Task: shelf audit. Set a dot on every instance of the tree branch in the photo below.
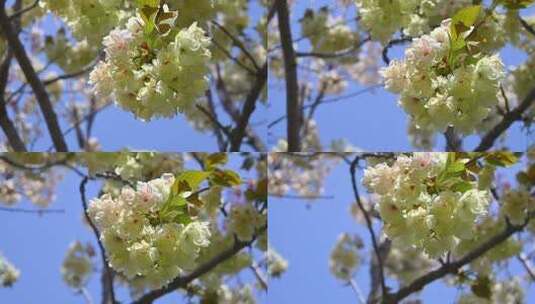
(108, 294)
(12, 135)
(508, 119)
(24, 10)
(527, 265)
(453, 267)
(34, 211)
(454, 142)
(183, 281)
(369, 224)
(249, 106)
(292, 86)
(40, 93)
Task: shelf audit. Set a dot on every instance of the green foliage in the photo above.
(158, 20)
(482, 287)
(184, 203)
(517, 4)
(460, 28)
(216, 159)
(259, 193)
(462, 168)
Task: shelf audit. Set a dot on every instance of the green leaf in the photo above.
(149, 3)
(259, 193)
(462, 186)
(455, 167)
(481, 287)
(523, 178)
(174, 209)
(148, 15)
(501, 159)
(193, 178)
(225, 178)
(466, 16)
(458, 44)
(215, 159)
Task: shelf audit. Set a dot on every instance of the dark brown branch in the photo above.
(79, 73)
(234, 59)
(375, 272)
(392, 43)
(222, 144)
(525, 263)
(369, 225)
(453, 267)
(181, 282)
(526, 26)
(454, 142)
(350, 51)
(238, 43)
(508, 119)
(24, 10)
(249, 106)
(292, 86)
(228, 105)
(26, 66)
(108, 294)
(12, 135)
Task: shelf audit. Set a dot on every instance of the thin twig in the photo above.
(527, 265)
(34, 211)
(508, 119)
(369, 224)
(39, 90)
(24, 10)
(107, 270)
(357, 290)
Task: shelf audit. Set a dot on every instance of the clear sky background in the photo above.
(371, 121)
(304, 232)
(37, 245)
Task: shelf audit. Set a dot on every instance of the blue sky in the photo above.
(371, 121)
(36, 245)
(305, 233)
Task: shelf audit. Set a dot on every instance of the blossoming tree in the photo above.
(450, 78)
(201, 61)
(461, 218)
(162, 223)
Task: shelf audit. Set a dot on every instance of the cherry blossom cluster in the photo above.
(140, 246)
(17, 184)
(421, 207)
(8, 273)
(383, 18)
(276, 264)
(244, 220)
(345, 259)
(326, 33)
(78, 266)
(437, 95)
(88, 20)
(506, 291)
(153, 81)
